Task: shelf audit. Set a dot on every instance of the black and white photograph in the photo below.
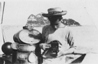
(48, 32)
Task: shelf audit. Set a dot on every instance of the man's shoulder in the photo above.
(46, 27)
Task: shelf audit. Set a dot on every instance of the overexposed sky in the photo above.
(16, 12)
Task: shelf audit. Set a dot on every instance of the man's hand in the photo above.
(45, 45)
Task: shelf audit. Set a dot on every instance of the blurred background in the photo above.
(16, 13)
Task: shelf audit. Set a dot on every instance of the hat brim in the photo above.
(47, 15)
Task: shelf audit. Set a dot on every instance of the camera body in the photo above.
(52, 51)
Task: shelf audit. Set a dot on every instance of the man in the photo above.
(56, 21)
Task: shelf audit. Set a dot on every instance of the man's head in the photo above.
(54, 15)
(54, 19)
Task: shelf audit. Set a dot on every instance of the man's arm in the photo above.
(43, 44)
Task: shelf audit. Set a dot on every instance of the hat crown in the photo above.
(54, 10)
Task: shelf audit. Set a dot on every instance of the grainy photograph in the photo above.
(49, 32)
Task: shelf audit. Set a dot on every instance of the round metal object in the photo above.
(27, 58)
(6, 48)
(27, 37)
(32, 58)
(25, 47)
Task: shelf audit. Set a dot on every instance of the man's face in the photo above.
(54, 20)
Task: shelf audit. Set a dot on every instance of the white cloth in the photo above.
(61, 35)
